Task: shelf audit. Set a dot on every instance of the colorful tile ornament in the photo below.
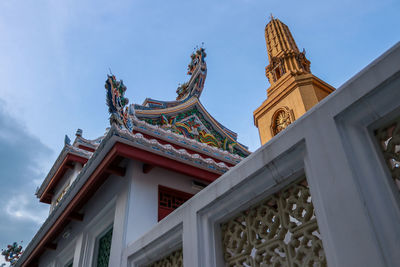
(12, 253)
(189, 122)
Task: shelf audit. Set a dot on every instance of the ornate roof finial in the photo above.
(79, 132)
(197, 68)
(67, 141)
(117, 102)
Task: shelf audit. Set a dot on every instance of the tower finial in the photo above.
(79, 132)
(288, 71)
(271, 17)
(283, 53)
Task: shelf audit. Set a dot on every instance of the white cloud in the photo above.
(22, 162)
(20, 207)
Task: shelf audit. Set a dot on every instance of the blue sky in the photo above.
(54, 57)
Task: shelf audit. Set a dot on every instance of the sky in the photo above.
(55, 55)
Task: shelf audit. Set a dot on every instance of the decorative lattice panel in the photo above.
(103, 255)
(175, 259)
(389, 140)
(279, 231)
(170, 199)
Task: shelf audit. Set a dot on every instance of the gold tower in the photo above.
(293, 90)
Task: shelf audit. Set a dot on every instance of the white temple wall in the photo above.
(77, 241)
(129, 204)
(333, 151)
(142, 210)
(336, 153)
(76, 170)
(68, 178)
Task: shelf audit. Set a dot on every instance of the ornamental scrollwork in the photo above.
(280, 231)
(303, 61)
(276, 68)
(389, 141)
(117, 103)
(281, 119)
(192, 124)
(12, 253)
(197, 69)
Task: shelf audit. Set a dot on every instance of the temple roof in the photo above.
(192, 103)
(178, 135)
(65, 160)
(118, 143)
(184, 116)
(182, 129)
(87, 144)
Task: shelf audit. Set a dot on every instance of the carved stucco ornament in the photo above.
(281, 119)
(388, 137)
(174, 259)
(279, 231)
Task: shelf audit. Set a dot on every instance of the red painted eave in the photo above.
(97, 178)
(167, 163)
(87, 148)
(69, 159)
(190, 151)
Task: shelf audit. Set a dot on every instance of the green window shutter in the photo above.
(103, 255)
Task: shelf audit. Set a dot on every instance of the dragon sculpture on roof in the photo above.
(116, 102)
(197, 68)
(185, 116)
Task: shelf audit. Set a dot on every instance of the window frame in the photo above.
(162, 211)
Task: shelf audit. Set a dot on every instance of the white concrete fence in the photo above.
(260, 212)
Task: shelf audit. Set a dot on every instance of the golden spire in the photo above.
(283, 54)
(293, 90)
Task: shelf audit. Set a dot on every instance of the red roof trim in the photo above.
(86, 148)
(190, 151)
(98, 177)
(48, 191)
(167, 163)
